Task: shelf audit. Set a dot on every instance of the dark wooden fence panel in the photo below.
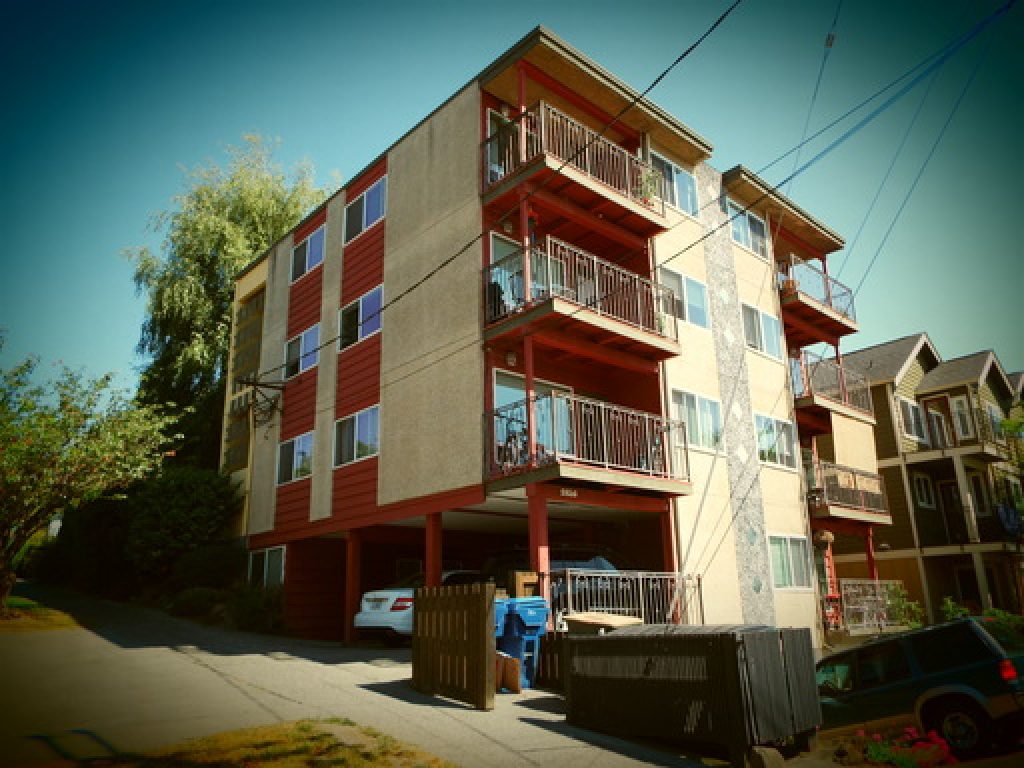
(453, 643)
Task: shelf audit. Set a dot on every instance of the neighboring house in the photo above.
(578, 348)
(952, 476)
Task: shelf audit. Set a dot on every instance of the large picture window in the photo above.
(776, 441)
(302, 352)
(366, 210)
(762, 331)
(790, 562)
(308, 254)
(748, 230)
(913, 420)
(680, 187)
(703, 418)
(357, 436)
(361, 318)
(295, 458)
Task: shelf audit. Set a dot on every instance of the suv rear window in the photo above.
(955, 645)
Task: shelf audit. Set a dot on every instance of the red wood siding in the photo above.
(305, 229)
(304, 302)
(291, 512)
(354, 493)
(358, 377)
(362, 267)
(361, 184)
(299, 409)
(314, 588)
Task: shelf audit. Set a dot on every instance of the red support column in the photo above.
(353, 589)
(521, 75)
(537, 506)
(433, 555)
(869, 550)
(531, 421)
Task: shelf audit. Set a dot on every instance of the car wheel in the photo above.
(964, 726)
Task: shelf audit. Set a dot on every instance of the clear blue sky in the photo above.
(105, 102)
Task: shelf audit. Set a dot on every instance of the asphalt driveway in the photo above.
(137, 679)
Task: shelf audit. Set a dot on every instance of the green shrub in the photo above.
(904, 610)
(219, 565)
(951, 609)
(256, 610)
(197, 602)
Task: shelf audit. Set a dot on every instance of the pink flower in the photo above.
(861, 734)
(877, 737)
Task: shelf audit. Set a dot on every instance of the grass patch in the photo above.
(300, 744)
(24, 615)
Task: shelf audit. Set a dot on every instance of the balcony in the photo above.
(815, 307)
(589, 442)
(838, 492)
(821, 387)
(592, 171)
(599, 307)
(982, 437)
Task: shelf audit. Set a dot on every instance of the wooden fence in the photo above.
(453, 643)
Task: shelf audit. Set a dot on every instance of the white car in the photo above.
(390, 610)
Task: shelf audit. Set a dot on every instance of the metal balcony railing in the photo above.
(551, 131)
(829, 484)
(795, 274)
(872, 606)
(813, 374)
(583, 431)
(562, 270)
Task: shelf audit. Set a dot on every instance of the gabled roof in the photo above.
(889, 360)
(1016, 383)
(969, 369)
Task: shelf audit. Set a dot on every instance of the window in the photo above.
(748, 230)
(357, 436)
(308, 254)
(691, 298)
(366, 210)
(881, 664)
(776, 443)
(980, 496)
(266, 567)
(790, 562)
(680, 188)
(762, 331)
(913, 420)
(361, 318)
(939, 429)
(995, 417)
(962, 418)
(295, 458)
(703, 418)
(924, 493)
(302, 352)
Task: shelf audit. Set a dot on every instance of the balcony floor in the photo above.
(808, 321)
(590, 476)
(841, 512)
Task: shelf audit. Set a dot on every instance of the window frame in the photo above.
(265, 551)
(361, 197)
(322, 230)
(315, 352)
(915, 406)
(763, 333)
(293, 476)
(736, 212)
(808, 569)
(681, 307)
(961, 400)
(792, 437)
(717, 445)
(358, 303)
(678, 169)
(929, 486)
(354, 418)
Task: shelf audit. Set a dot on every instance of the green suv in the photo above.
(961, 679)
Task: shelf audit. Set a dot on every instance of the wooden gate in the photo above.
(453, 643)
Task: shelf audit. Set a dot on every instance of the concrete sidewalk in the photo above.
(139, 680)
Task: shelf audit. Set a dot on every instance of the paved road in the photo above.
(139, 680)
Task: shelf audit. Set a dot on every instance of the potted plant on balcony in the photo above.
(789, 285)
(649, 185)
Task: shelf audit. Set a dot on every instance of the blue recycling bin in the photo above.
(500, 612)
(526, 621)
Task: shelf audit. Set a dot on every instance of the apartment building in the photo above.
(951, 475)
(589, 337)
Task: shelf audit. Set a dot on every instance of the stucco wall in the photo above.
(432, 372)
(853, 443)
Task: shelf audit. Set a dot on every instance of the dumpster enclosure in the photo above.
(724, 687)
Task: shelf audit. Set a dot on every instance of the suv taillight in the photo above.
(1007, 671)
(404, 603)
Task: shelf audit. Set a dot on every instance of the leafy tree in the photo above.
(62, 444)
(225, 218)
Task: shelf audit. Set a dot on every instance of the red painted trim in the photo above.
(310, 225)
(584, 105)
(591, 498)
(352, 583)
(432, 558)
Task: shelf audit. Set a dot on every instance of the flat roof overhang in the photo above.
(596, 477)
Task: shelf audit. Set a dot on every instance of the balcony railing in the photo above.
(552, 132)
(873, 606)
(562, 270)
(811, 281)
(830, 484)
(813, 374)
(590, 432)
(652, 597)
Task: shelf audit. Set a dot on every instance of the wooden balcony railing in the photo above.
(833, 484)
(812, 282)
(583, 431)
(551, 131)
(562, 270)
(813, 374)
